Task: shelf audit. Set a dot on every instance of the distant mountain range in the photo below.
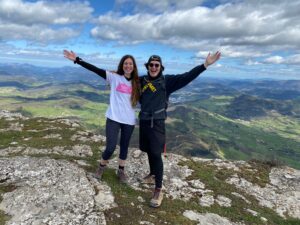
(234, 119)
(62, 74)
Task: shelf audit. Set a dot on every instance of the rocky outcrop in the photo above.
(76, 150)
(208, 218)
(53, 191)
(49, 191)
(281, 194)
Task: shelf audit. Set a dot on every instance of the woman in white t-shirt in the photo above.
(124, 96)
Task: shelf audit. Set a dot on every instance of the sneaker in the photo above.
(149, 179)
(156, 198)
(122, 176)
(99, 172)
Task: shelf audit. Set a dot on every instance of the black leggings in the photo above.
(152, 141)
(112, 133)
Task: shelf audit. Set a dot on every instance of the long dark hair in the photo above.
(135, 94)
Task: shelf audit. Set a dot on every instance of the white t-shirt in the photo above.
(120, 108)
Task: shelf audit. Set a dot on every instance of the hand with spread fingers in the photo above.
(211, 59)
(70, 55)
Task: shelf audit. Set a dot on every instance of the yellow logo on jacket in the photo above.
(149, 85)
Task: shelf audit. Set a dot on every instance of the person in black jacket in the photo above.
(155, 92)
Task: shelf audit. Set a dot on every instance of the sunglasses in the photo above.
(154, 64)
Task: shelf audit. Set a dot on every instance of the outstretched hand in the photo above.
(70, 55)
(211, 59)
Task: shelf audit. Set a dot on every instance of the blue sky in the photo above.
(257, 38)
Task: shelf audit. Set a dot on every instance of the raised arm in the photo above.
(175, 82)
(73, 57)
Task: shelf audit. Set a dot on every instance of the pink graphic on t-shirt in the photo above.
(123, 88)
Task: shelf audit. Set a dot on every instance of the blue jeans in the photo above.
(112, 133)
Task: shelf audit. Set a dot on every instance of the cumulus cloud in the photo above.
(41, 21)
(159, 6)
(241, 52)
(20, 12)
(190, 23)
(47, 57)
(35, 33)
(274, 59)
(256, 24)
(292, 60)
(250, 62)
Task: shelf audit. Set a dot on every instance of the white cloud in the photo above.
(294, 59)
(290, 60)
(274, 60)
(43, 12)
(10, 50)
(35, 33)
(241, 51)
(42, 56)
(256, 25)
(196, 23)
(41, 21)
(250, 62)
(159, 6)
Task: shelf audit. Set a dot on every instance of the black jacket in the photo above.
(156, 92)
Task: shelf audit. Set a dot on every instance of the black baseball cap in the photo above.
(155, 58)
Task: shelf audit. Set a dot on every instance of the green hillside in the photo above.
(213, 135)
(80, 101)
(233, 126)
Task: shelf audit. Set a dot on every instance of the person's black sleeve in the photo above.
(175, 82)
(100, 72)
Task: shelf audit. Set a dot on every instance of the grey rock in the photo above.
(206, 200)
(85, 136)
(252, 212)
(10, 116)
(11, 150)
(282, 194)
(223, 201)
(49, 191)
(76, 150)
(240, 196)
(208, 218)
(53, 136)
